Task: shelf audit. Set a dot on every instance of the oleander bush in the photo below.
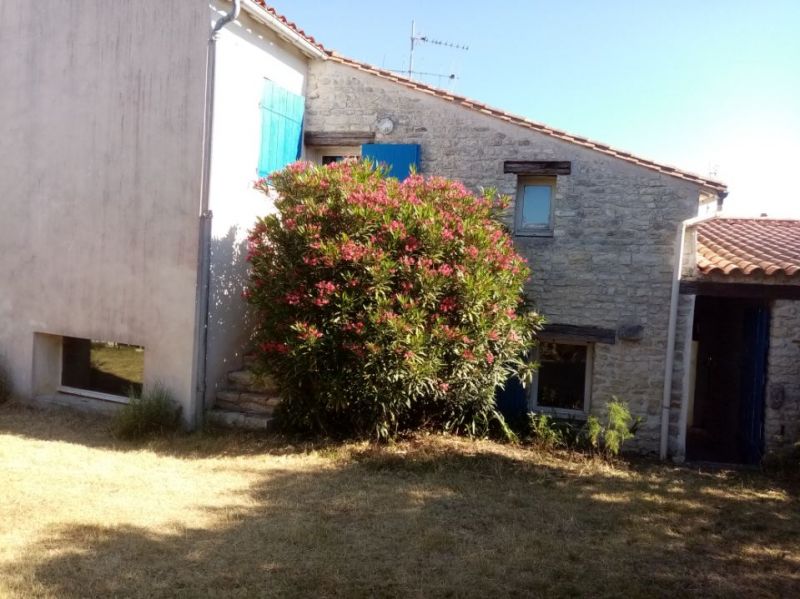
(383, 306)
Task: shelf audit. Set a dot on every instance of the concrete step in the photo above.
(243, 420)
(245, 401)
(247, 380)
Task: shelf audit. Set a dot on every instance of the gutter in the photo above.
(671, 327)
(204, 241)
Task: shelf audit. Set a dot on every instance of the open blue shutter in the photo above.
(398, 157)
(281, 128)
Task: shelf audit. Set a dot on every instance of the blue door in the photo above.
(753, 385)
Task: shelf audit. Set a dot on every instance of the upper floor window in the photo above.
(534, 206)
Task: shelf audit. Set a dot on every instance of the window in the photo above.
(562, 383)
(109, 371)
(534, 206)
(328, 154)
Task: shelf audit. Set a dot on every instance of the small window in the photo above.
(330, 154)
(102, 370)
(534, 206)
(327, 159)
(562, 383)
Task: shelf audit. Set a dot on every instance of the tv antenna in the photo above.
(416, 38)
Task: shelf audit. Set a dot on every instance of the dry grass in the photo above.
(233, 516)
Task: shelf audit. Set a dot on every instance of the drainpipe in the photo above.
(673, 323)
(204, 243)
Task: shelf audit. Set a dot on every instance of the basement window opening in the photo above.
(562, 383)
(101, 370)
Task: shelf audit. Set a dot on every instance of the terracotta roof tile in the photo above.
(496, 112)
(291, 25)
(745, 246)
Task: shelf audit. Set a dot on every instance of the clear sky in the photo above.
(710, 86)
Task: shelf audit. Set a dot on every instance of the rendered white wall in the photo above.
(102, 108)
(247, 54)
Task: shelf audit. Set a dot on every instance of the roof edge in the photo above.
(284, 28)
(477, 106)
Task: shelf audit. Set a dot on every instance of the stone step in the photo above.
(233, 419)
(248, 361)
(245, 401)
(247, 380)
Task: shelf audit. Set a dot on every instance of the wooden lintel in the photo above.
(741, 290)
(338, 138)
(573, 332)
(537, 167)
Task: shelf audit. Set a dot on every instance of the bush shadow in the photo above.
(441, 521)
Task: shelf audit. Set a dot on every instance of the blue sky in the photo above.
(706, 85)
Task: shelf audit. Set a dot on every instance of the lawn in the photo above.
(227, 515)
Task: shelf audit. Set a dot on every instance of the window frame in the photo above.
(535, 230)
(316, 154)
(533, 391)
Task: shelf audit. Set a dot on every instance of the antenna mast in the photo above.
(424, 38)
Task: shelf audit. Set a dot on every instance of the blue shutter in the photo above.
(281, 128)
(399, 158)
(512, 400)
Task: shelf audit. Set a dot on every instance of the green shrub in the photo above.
(152, 413)
(592, 435)
(620, 426)
(384, 306)
(545, 431)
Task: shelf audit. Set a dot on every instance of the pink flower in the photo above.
(489, 358)
(412, 244)
(293, 298)
(448, 304)
(274, 347)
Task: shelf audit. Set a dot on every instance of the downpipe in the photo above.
(666, 398)
(206, 217)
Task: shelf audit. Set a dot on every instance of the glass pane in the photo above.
(536, 206)
(113, 368)
(562, 376)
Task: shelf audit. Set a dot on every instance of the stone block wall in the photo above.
(782, 419)
(609, 261)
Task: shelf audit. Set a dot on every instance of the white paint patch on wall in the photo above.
(248, 53)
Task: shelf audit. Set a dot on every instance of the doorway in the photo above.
(726, 418)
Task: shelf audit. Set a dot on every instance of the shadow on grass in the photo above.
(58, 423)
(438, 519)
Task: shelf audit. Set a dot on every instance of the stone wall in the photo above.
(782, 421)
(609, 261)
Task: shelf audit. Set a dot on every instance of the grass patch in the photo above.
(230, 515)
(152, 413)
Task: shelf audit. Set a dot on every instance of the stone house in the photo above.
(603, 229)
